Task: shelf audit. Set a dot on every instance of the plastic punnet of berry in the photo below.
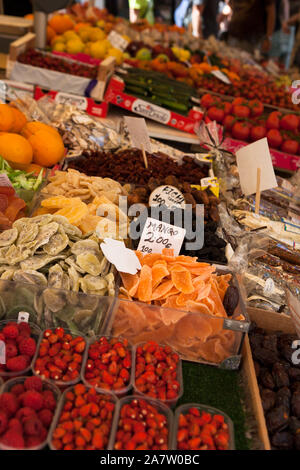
(158, 372)
(59, 356)
(20, 347)
(108, 364)
(27, 408)
(84, 420)
(198, 427)
(143, 424)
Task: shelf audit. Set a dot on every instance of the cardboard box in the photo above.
(115, 95)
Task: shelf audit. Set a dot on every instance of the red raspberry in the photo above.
(17, 389)
(15, 425)
(8, 403)
(32, 426)
(10, 350)
(34, 383)
(24, 329)
(33, 399)
(33, 441)
(24, 413)
(13, 439)
(18, 363)
(11, 331)
(3, 421)
(49, 400)
(27, 346)
(46, 417)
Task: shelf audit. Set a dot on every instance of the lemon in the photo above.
(58, 38)
(74, 46)
(84, 34)
(114, 52)
(59, 47)
(98, 49)
(97, 35)
(68, 35)
(101, 24)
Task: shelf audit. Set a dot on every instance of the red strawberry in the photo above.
(11, 331)
(8, 403)
(34, 383)
(33, 399)
(27, 346)
(18, 363)
(13, 439)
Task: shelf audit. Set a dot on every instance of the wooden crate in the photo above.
(14, 25)
(269, 321)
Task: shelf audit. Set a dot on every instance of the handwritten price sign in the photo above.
(166, 195)
(158, 235)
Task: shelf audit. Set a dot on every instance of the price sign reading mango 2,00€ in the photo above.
(159, 235)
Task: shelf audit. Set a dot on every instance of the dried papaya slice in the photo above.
(16, 205)
(162, 289)
(215, 297)
(183, 298)
(182, 279)
(144, 292)
(159, 271)
(168, 252)
(130, 282)
(150, 259)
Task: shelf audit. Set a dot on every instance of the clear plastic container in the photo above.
(158, 405)
(46, 386)
(60, 383)
(169, 402)
(123, 391)
(183, 409)
(61, 405)
(36, 333)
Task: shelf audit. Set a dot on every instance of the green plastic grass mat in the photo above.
(219, 388)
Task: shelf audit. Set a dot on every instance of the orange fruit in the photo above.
(6, 117)
(61, 23)
(81, 25)
(15, 149)
(48, 148)
(19, 120)
(33, 127)
(34, 168)
(50, 34)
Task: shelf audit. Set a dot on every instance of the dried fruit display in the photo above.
(12, 207)
(187, 310)
(127, 166)
(59, 356)
(279, 384)
(108, 364)
(20, 345)
(198, 429)
(143, 425)
(84, 421)
(27, 407)
(158, 372)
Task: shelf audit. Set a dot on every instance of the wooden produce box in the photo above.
(270, 321)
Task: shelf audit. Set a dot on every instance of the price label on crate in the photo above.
(117, 40)
(159, 235)
(168, 196)
(2, 353)
(212, 183)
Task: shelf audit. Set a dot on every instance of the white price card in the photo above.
(117, 40)
(2, 352)
(124, 259)
(138, 131)
(249, 159)
(158, 235)
(167, 195)
(23, 317)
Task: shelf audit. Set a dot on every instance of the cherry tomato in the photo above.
(228, 121)
(289, 146)
(258, 132)
(274, 138)
(241, 131)
(273, 120)
(289, 122)
(216, 114)
(241, 111)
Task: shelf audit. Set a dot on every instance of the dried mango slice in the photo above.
(131, 283)
(74, 213)
(168, 252)
(192, 328)
(160, 335)
(150, 259)
(159, 271)
(214, 295)
(182, 279)
(197, 307)
(183, 298)
(208, 351)
(173, 291)
(140, 257)
(57, 202)
(15, 206)
(162, 289)
(144, 291)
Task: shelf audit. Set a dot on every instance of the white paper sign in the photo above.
(122, 258)
(138, 133)
(221, 76)
(251, 157)
(168, 196)
(158, 235)
(117, 40)
(2, 352)
(23, 317)
(5, 181)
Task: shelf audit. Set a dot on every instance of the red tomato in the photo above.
(258, 132)
(274, 138)
(289, 122)
(257, 108)
(227, 107)
(228, 121)
(241, 111)
(238, 101)
(241, 131)
(207, 100)
(289, 146)
(273, 120)
(216, 114)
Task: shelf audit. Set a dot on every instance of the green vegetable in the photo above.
(20, 179)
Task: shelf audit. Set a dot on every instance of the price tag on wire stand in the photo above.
(158, 235)
(23, 317)
(117, 40)
(168, 196)
(212, 183)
